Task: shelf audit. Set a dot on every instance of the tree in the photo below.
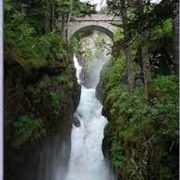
(139, 17)
(120, 7)
(144, 45)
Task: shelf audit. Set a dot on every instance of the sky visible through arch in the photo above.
(102, 3)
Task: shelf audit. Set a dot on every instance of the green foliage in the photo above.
(119, 34)
(50, 48)
(44, 83)
(55, 102)
(32, 51)
(27, 129)
(118, 71)
(64, 6)
(168, 85)
(55, 99)
(75, 44)
(18, 33)
(145, 128)
(82, 9)
(160, 32)
(65, 79)
(165, 173)
(27, 32)
(75, 7)
(117, 153)
(142, 130)
(166, 108)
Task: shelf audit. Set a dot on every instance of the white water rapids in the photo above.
(86, 159)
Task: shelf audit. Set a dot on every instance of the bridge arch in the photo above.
(102, 22)
(92, 27)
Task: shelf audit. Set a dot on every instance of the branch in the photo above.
(39, 40)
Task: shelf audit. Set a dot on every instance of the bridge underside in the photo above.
(74, 27)
(92, 27)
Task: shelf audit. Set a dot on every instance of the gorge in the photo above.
(87, 106)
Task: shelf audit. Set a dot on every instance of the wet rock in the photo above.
(76, 121)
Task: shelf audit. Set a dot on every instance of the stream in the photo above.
(86, 158)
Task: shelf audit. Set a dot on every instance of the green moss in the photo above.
(45, 82)
(55, 102)
(117, 72)
(27, 129)
(117, 153)
(65, 79)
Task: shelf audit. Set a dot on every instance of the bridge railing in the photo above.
(97, 17)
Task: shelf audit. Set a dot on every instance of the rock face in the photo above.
(52, 100)
(124, 146)
(76, 120)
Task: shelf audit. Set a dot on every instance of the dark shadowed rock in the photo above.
(139, 82)
(76, 121)
(53, 102)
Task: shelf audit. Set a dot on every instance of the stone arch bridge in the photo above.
(102, 22)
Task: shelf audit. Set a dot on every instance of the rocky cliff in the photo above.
(141, 137)
(38, 117)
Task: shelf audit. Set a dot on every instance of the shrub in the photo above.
(27, 129)
(55, 102)
(142, 130)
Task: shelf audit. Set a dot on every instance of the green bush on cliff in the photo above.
(27, 129)
(51, 48)
(66, 79)
(117, 73)
(54, 99)
(29, 49)
(142, 133)
(55, 102)
(117, 153)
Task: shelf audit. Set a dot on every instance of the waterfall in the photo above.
(86, 158)
(79, 156)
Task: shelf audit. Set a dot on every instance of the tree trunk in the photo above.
(68, 20)
(129, 64)
(62, 23)
(144, 48)
(47, 17)
(52, 15)
(176, 40)
(145, 60)
(127, 49)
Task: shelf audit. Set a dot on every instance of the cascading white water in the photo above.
(78, 69)
(86, 159)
